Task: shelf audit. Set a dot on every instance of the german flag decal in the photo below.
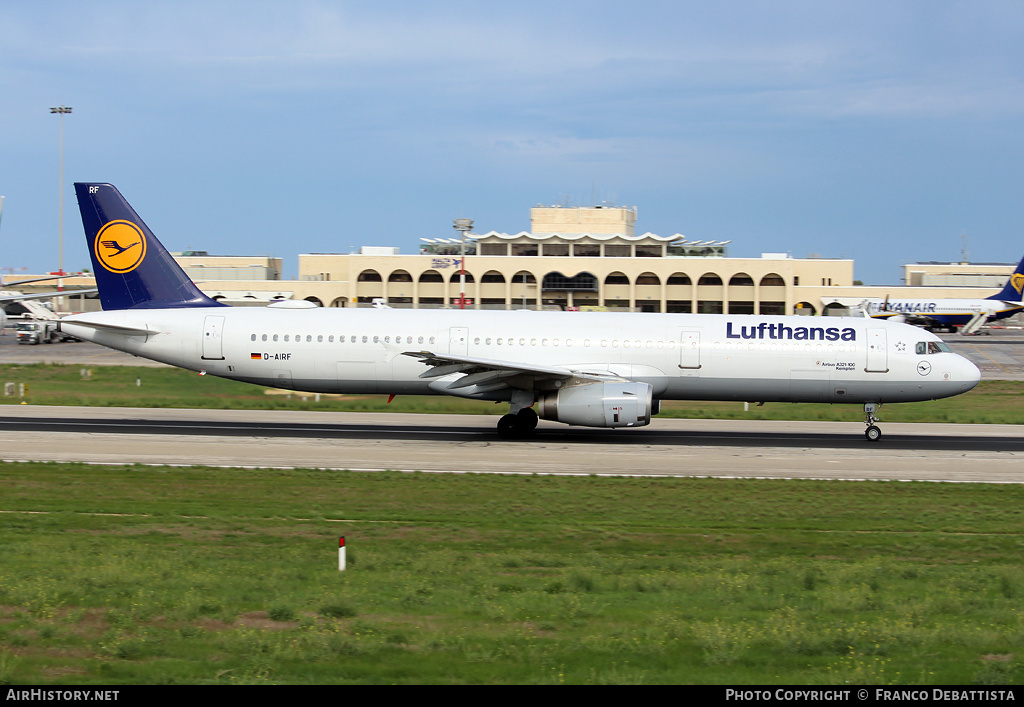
(255, 356)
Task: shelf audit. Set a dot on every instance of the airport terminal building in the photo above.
(572, 258)
(578, 258)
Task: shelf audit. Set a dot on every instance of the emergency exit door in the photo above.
(213, 338)
(878, 358)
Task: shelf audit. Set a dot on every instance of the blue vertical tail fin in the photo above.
(133, 270)
(1014, 289)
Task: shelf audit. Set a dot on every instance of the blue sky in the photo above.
(879, 131)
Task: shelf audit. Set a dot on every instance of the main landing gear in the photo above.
(873, 432)
(517, 424)
(522, 419)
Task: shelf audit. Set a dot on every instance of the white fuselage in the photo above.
(682, 356)
(952, 311)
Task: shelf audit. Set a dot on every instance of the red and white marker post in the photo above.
(341, 554)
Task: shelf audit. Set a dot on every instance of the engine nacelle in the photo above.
(620, 404)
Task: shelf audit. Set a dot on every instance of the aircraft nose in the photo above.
(969, 373)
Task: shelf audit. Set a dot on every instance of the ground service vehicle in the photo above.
(37, 332)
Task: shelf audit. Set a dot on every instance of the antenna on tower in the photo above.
(964, 255)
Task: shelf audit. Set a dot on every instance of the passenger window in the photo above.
(376, 339)
(264, 337)
(330, 339)
(275, 337)
(431, 340)
(252, 338)
(320, 338)
(419, 340)
(309, 337)
(364, 338)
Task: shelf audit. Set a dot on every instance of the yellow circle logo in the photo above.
(120, 246)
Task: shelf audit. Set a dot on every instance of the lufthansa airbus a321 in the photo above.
(593, 369)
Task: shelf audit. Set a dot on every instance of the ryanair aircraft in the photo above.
(949, 313)
(593, 369)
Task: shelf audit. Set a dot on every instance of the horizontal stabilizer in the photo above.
(103, 326)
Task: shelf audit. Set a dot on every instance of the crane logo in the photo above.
(120, 246)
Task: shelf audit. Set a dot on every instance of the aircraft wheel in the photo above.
(508, 426)
(527, 419)
(873, 433)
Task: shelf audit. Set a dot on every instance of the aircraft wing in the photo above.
(491, 374)
(37, 279)
(7, 299)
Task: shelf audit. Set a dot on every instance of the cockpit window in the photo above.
(932, 347)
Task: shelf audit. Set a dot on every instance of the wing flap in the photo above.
(447, 364)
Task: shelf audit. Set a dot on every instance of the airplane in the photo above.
(10, 296)
(938, 314)
(605, 370)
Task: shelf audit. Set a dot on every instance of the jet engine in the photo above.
(618, 404)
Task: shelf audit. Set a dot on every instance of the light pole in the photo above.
(61, 111)
(463, 225)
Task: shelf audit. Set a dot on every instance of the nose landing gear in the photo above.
(873, 432)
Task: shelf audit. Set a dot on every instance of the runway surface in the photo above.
(469, 444)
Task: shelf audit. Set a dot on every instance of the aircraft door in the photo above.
(213, 338)
(878, 358)
(689, 353)
(458, 340)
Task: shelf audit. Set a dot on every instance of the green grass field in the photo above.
(200, 575)
(991, 402)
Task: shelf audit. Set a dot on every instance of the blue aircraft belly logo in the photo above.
(120, 246)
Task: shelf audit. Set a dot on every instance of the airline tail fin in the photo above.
(133, 270)
(1014, 289)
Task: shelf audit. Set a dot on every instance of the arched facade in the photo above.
(652, 283)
